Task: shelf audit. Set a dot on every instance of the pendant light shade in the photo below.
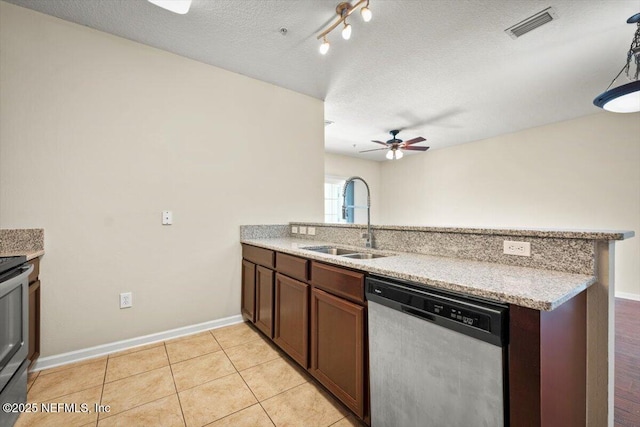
(625, 98)
(621, 99)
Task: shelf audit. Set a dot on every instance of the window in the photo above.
(333, 200)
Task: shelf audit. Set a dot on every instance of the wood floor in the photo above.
(627, 364)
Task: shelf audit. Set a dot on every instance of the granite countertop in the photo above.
(527, 287)
(22, 241)
(521, 232)
(29, 254)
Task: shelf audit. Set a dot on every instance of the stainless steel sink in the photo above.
(330, 250)
(346, 253)
(364, 256)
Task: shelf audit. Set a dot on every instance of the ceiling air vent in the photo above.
(531, 23)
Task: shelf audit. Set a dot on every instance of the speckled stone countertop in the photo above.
(26, 241)
(29, 254)
(522, 232)
(527, 287)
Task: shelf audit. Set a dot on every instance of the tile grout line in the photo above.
(175, 386)
(104, 381)
(257, 364)
(251, 391)
(52, 398)
(142, 404)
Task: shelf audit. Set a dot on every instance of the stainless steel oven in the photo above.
(14, 333)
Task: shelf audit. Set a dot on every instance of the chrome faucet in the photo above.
(368, 236)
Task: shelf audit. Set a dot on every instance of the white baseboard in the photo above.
(627, 295)
(104, 349)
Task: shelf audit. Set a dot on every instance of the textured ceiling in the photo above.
(442, 69)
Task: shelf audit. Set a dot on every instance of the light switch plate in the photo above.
(294, 230)
(311, 231)
(302, 230)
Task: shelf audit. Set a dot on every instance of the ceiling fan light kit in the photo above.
(625, 98)
(343, 10)
(394, 155)
(395, 146)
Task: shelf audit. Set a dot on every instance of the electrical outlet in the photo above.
(302, 230)
(126, 300)
(517, 248)
(311, 231)
(294, 230)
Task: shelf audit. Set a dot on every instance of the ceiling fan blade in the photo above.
(379, 142)
(414, 140)
(415, 148)
(375, 149)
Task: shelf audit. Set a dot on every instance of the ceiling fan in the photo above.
(396, 145)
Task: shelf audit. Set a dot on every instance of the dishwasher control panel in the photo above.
(458, 314)
(481, 319)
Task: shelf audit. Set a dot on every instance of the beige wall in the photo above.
(100, 134)
(582, 173)
(344, 166)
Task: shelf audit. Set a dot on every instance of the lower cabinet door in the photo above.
(248, 302)
(291, 328)
(337, 348)
(264, 300)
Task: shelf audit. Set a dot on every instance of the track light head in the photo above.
(366, 14)
(346, 31)
(324, 47)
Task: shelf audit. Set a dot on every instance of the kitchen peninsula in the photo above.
(566, 285)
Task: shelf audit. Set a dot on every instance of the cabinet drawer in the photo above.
(292, 266)
(257, 255)
(345, 283)
(36, 269)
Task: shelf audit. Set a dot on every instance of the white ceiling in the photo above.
(442, 69)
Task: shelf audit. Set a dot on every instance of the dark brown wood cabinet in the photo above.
(317, 314)
(264, 300)
(248, 301)
(34, 311)
(291, 326)
(256, 303)
(548, 365)
(337, 347)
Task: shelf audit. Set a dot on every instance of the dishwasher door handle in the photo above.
(421, 314)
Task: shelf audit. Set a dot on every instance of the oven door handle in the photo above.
(10, 284)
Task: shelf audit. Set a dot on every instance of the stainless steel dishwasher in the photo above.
(436, 358)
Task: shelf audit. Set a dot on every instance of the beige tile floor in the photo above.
(231, 376)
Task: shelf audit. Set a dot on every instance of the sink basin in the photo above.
(364, 256)
(330, 250)
(346, 253)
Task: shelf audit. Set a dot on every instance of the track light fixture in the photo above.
(625, 98)
(343, 10)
